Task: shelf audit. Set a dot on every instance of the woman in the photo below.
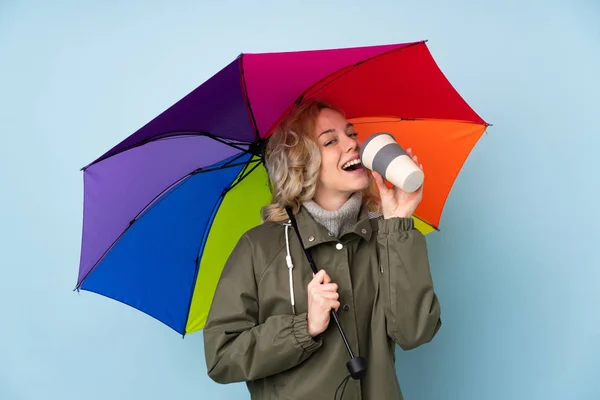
(269, 320)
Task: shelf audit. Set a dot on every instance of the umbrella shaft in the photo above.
(337, 322)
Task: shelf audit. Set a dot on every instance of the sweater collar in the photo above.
(339, 221)
(314, 233)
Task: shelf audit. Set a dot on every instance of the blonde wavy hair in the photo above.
(293, 162)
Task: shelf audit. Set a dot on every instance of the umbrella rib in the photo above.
(325, 82)
(170, 189)
(393, 118)
(227, 142)
(247, 98)
(198, 257)
(174, 134)
(160, 197)
(236, 144)
(242, 176)
(349, 69)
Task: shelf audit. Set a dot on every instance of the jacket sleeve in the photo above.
(411, 306)
(237, 348)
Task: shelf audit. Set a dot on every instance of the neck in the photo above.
(331, 201)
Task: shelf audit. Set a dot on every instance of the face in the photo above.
(341, 171)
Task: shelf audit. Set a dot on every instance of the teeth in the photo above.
(351, 163)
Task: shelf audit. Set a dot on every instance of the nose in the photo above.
(351, 144)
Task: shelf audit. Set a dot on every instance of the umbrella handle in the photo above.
(357, 366)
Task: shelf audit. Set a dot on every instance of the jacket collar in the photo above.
(313, 233)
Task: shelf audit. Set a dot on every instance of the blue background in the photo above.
(516, 263)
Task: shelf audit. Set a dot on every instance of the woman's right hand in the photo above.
(322, 297)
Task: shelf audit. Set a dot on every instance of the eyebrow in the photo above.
(348, 125)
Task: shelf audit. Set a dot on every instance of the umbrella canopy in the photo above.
(164, 208)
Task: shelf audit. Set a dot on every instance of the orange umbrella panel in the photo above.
(442, 146)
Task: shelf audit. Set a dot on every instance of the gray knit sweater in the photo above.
(339, 221)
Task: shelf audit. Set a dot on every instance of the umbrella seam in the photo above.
(242, 175)
(199, 253)
(350, 67)
(171, 135)
(247, 98)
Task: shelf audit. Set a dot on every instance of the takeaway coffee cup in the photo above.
(381, 153)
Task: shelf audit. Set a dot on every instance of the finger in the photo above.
(335, 305)
(326, 278)
(409, 152)
(329, 287)
(377, 177)
(328, 295)
(379, 182)
(328, 304)
(318, 278)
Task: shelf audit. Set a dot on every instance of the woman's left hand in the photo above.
(395, 202)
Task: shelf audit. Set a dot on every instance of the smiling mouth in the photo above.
(352, 165)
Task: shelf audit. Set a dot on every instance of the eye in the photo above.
(330, 142)
(353, 134)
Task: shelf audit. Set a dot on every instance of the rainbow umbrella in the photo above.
(164, 208)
